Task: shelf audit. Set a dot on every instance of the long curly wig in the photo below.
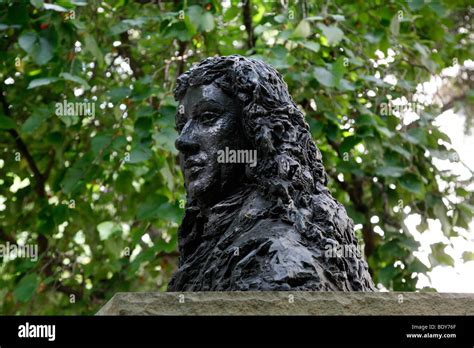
(289, 171)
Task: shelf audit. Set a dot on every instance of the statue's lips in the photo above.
(193, 167)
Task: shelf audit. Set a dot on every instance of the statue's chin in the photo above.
(210, 185)
(200, 189)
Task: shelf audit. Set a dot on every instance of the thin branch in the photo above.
(355, 192)
(52, 154)
(449, 105)
(182, 49)
(247, 16)
(24, 151)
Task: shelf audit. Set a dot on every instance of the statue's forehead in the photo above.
(209, 92)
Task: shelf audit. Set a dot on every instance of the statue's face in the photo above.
(208, 120)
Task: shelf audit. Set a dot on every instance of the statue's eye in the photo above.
(208, 117)
(180, 123)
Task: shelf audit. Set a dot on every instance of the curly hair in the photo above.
(288, 158)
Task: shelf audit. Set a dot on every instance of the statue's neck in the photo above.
(202, 224)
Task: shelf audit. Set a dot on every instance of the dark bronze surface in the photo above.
(267, 225)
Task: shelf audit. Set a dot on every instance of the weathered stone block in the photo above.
(289, 303)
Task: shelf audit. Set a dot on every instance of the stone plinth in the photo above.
(289, 303)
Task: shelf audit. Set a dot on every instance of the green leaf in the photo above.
(388, 171)
(416, 136)
(107, 229)
(412, 183)
(92, 46)
(27, 40)
(422, 226)
(200, 19)
(6, 123)
(74, 177)
(100, 142)
(140, 154)
(378, 82)
(400, 150)
(183, 31)
(26, 288)
(315, 18)
(386, 275)
(143, 127)
(303, 30)
(119, 93)
(149, 208)
(34, 121)
(324, 77)
(158, 210)
(408, 243)
(468, 256)
(438, 256)
(165, 140)
(349, 142)
(338, 18)
(345, 85)
(37, 47)
(332, 77)
(76, 79)
(417, 267)
(338, 70)
(441, 213)
(37, 3)
(232, 12)
(54, 7)
(385, 131)
(25, 265)
(126, 24)
(79, 24)
(332, 33)
(119, 143)
(124, 181)
(395, 25)
(41, 82)
(312, 46)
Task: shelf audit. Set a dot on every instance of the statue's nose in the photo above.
(186, 142)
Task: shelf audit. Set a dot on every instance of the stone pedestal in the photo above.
(289, 303)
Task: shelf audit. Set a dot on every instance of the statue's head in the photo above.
(236, 104)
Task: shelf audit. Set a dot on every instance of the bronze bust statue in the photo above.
(258, 215)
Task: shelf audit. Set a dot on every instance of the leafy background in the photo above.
(102, 196)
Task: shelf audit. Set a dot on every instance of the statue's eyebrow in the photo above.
(208, 103)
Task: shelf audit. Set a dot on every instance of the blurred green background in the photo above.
(102, 196)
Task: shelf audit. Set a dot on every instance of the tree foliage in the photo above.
(102, 196)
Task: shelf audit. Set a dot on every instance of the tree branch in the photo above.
(453, 101)
(354, 190)
(125, 50)
(182, 49)
(46, 173)
(247, 15)
(20, 144)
